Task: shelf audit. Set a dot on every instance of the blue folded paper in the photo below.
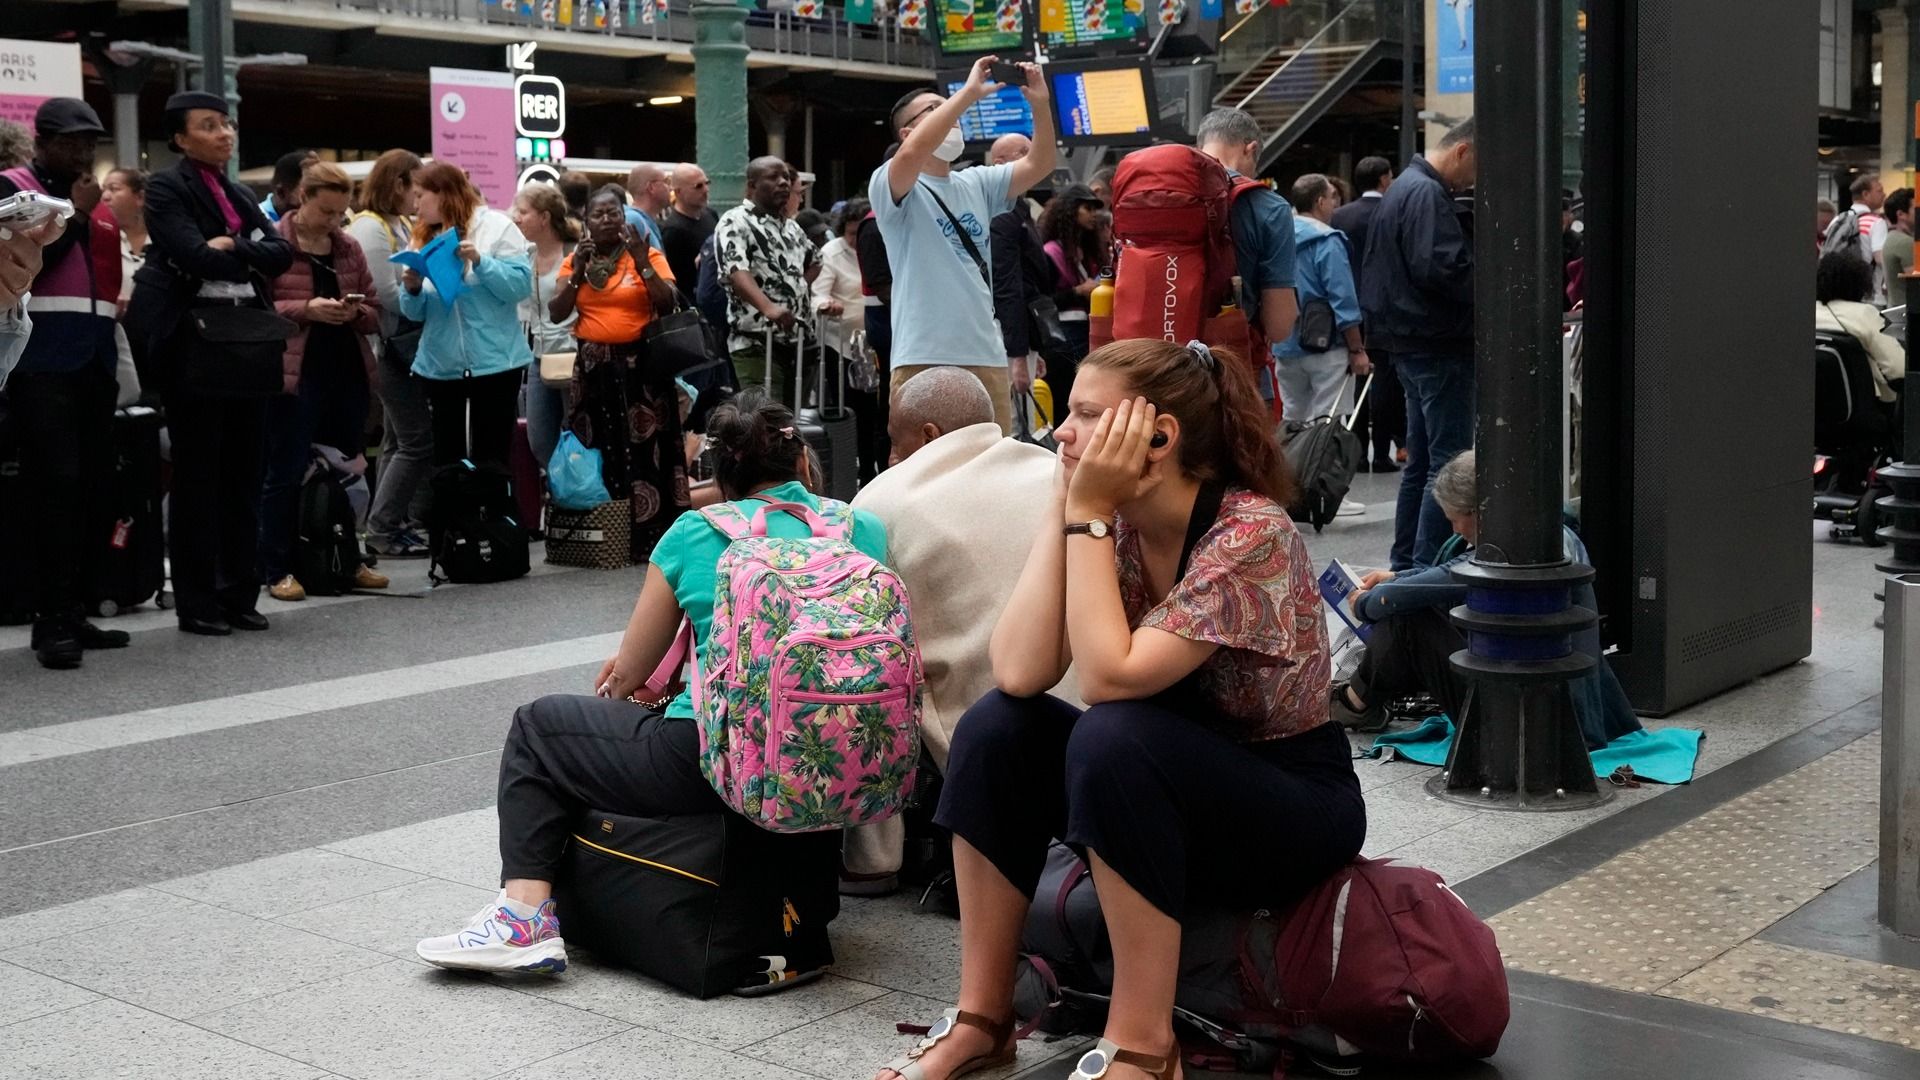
(438, 262)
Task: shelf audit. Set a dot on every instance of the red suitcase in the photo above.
(529, 489)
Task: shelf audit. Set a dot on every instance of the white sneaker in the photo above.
(1349, 508)
(496, 939)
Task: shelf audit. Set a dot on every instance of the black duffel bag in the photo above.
(707, 903)
(234, 351)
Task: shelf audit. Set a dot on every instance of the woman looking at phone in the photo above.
(328, 372)
(617, 282)
(1176, 586)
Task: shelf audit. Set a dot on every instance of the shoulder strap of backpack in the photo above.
(728, 520)
(966, 240)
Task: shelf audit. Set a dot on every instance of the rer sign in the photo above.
(540, 106)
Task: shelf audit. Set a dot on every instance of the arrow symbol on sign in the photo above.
(520, 55)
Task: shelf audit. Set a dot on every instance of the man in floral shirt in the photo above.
(767, 262)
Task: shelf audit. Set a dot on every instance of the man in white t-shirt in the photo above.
(936, 224)
(1869, 195)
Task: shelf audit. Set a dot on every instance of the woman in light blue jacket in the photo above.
(1311, 379)
(473, 353)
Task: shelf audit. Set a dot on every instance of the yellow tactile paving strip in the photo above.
(1802, 986)
(1674, 916)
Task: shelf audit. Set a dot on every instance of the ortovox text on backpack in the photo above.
(807, 689)
(1172, 208)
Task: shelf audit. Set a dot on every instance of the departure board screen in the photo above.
(1066, 25)
(980, 26)
(1003, 112)
(1109, 104)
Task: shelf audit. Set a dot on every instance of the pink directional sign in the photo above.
(33, 71)
(473, 128)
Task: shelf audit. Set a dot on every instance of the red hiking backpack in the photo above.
(1171, 209)
(1388, 959)
(1380, 960)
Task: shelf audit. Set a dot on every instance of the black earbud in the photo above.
(1159, 440)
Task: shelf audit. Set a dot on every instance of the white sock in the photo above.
(518, 909)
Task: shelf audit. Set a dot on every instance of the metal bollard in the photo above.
(1900, 758)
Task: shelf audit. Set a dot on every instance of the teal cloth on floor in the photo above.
(1666, 756)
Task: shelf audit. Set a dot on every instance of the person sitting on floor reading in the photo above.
(1413, 639)
(567, 753)
(1171, 577)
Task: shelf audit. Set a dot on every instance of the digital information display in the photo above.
(982, 26)
(1106, 104)
(1094, 22)
(1004, 112)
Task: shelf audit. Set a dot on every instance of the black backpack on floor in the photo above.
(326, 549)
(473, 536)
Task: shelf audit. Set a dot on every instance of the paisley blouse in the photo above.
(1249, 588)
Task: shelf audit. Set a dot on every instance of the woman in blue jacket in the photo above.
(473, 352)
(1413, 639)
(1311, 379)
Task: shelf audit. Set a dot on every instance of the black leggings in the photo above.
(484, 409)
(566, 754)
(1173, 807)
(1411, 654)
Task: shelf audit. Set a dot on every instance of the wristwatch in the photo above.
(647, 274)
(1096, 528)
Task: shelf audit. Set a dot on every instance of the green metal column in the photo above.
(720, 97)
(210, 32)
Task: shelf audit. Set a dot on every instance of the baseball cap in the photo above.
(66, 116)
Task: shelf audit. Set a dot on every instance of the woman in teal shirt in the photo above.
(567, 753)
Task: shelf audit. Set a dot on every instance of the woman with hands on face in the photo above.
(1177, 587)
(618, 283)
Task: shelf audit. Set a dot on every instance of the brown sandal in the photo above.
(1001, 1031)
(1096, 1062)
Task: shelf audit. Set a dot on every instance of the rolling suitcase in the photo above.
(707, 903)
(132, 570)
(528, 488)
(1324, 453)
(839, 446)
(833, 437)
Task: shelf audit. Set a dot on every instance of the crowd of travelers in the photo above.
(1122, 639)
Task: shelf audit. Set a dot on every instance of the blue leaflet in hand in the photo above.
(438, 262)
(1336, 584)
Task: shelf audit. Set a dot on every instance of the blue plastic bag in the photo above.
(573, 475)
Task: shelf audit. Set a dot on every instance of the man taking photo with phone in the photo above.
(936, 223)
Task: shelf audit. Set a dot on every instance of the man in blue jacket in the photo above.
(1417, 293)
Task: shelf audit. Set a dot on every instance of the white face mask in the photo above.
(950, 145)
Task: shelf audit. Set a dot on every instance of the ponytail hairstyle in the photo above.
(459, 201)
(756, 444)
(1226, 432)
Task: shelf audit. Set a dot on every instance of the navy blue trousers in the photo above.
(1185, 815)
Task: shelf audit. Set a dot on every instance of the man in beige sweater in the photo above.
(962, 505)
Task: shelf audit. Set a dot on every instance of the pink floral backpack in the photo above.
(807, 689)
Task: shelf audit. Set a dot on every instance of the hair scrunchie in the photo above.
(1202, 353)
